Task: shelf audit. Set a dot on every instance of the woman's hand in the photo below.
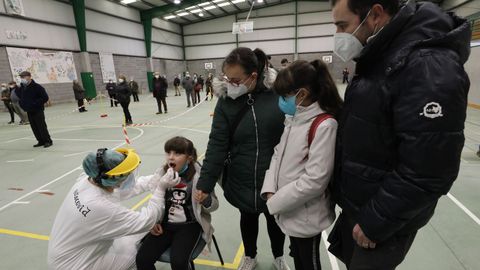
(157, 230)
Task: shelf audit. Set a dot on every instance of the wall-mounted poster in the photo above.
(107, 66)
(55, 67)
(327, 59)
(242, 27)
(14, 7)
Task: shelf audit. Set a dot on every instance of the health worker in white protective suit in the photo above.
(92, 229)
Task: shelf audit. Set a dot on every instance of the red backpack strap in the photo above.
(313, 128)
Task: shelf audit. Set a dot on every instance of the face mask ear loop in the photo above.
(360, 25)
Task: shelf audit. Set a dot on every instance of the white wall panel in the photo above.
(318, 17)
(104, 43)
(167, 25)
(217, 25)
(276, 21)
(316, 30)
(272, 47)
(114, 9)
(209, 39)
(49, 10)
(166, 37)
(39, 34)
(280, 9)
(204, 52)
(165, 51)
(109, 24)
(313, 6)
(268, 34)
(323, 44)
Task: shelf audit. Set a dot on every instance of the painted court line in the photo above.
(18, 161)
(20, 202)
(464, 209)
(331, 257)
(76, 154)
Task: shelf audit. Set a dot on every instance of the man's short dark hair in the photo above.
(284, 61)
(361, 7)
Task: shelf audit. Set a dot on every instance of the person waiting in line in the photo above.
(188, 84)
(247, 124)
(284, 63)
(79, 93)
(160, 86)
(122, 94)
(401, 132)
(208, 88)
(176, 84)
(92, 230)
(187, 220)
(15, 93)
(32, 100)
(345, 73)
(5, 94)
(111, 93)
(201, 81)
(133, 85)
(302, 166)
(196, 92)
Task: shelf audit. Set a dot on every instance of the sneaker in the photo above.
(48, 144)
(158, 113)
(248, 263)
(280, 263)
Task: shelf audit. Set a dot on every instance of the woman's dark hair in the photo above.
(361, 7)
(314, 77)
(250, 61)
(182, 145)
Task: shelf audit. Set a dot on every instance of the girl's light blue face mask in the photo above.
(288, 105)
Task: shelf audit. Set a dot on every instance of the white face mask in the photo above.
(4, 88)
(236, 91)
(120, 80)
(157, 76)
(24, 81)
(270, 76)
(347, 46)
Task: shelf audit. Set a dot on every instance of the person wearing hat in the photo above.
(92, 230)
(32, 100)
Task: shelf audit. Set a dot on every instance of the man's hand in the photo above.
(157, 230)
(200, 196)
(361, 239)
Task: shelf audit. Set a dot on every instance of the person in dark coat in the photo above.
(345, 73)
(188, 85)
(160, 86)
(111, 93)
(79, 93)
(134, 89)
(7, 102)
(176, 84)
(32, 99)
(122, 93)
(242, 154)
(401, 132)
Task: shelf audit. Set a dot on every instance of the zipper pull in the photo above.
(250, 100)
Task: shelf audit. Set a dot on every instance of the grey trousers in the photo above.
(21, 113)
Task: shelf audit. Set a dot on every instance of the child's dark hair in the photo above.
(182, 145)
(314, 77)
(250, 61)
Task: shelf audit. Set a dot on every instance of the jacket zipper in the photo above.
(250, 102)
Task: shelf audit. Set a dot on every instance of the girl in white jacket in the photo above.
(92, 230)
(296, 183)
(185, 222)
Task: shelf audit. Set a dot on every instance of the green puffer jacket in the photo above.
(251, 150)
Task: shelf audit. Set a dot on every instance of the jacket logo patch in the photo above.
(432, 110)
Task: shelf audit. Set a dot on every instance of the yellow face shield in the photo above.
(128, 165)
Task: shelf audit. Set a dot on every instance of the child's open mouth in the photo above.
(171, 165)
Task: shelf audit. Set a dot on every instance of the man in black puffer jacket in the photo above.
(401, 133)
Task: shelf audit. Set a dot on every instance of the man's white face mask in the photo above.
(347, 46)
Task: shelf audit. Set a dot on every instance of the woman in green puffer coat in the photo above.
(247, 124)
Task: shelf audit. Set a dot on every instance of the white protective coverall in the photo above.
(94, 231)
